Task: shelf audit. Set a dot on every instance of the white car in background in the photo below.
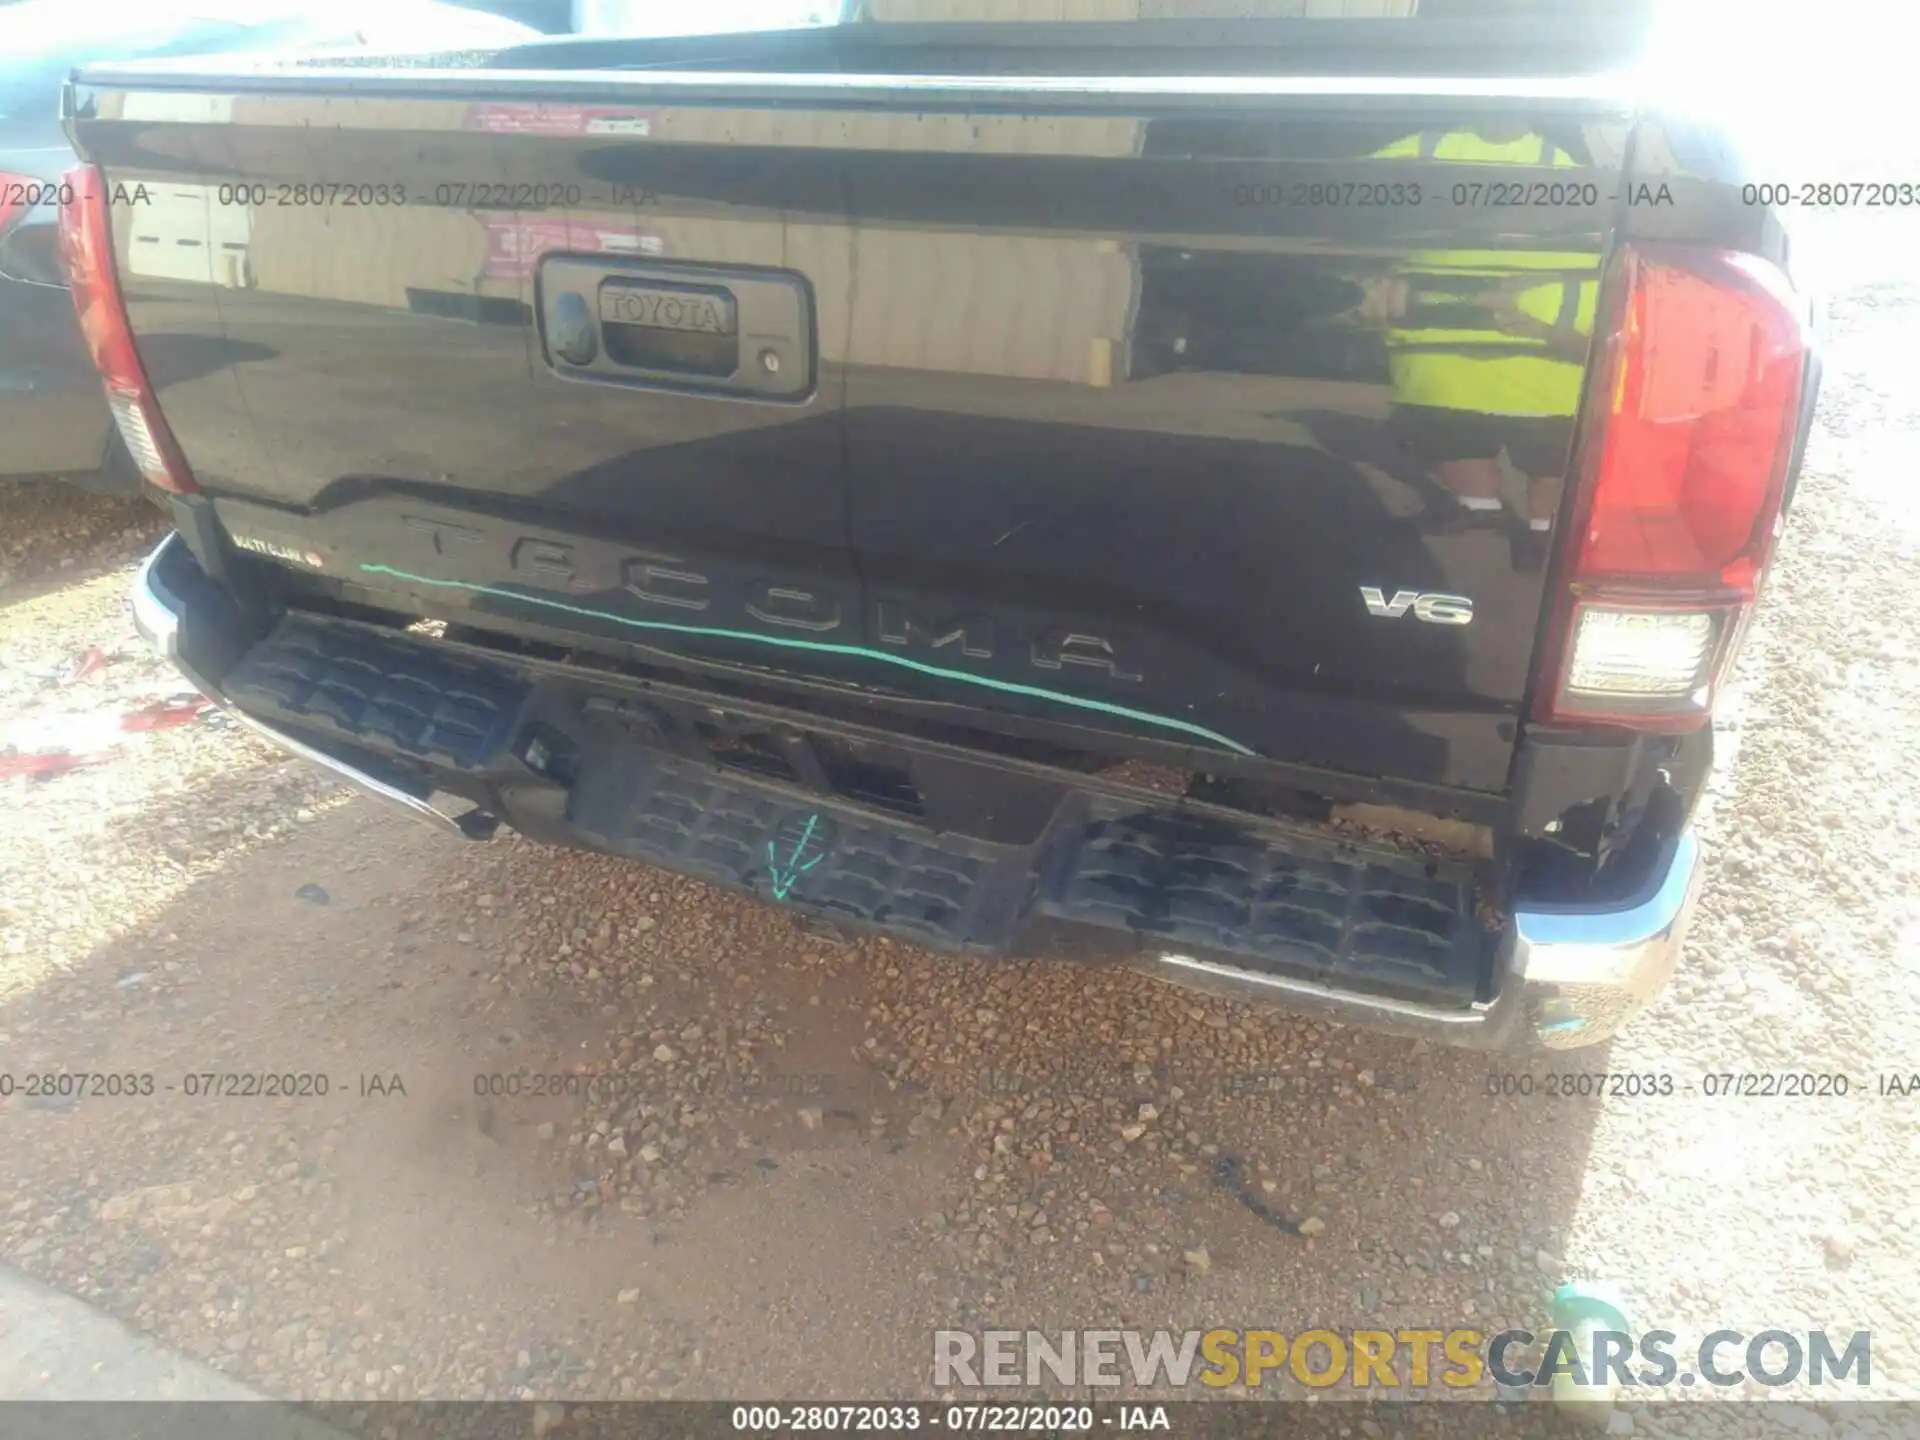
(53, 417)
(669, 17)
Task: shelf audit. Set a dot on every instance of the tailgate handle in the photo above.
(707, 329)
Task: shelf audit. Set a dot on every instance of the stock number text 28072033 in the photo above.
(453, 194)
(1380, 194)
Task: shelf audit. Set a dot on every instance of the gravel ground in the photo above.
(798, 1156)
(48, 530)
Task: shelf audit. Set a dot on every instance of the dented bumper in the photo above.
(1058, 864)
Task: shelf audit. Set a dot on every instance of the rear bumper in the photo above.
(1047, 864)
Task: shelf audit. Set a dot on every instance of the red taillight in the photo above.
(1689, 434)
(86, 250)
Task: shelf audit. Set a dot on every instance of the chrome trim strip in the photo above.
(1283, 988)
(414, 804)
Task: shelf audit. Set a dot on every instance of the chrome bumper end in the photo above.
(1583, 974)
(157, 615)
(1568, 977)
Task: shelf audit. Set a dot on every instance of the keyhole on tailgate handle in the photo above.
(575, 339)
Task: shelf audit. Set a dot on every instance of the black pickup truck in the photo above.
(1268, 501)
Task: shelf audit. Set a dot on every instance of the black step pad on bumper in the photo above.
(818, 856)
(378, 691)
(1299, 907)
(1104, 875)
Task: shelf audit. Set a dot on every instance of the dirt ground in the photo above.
(779, 1161)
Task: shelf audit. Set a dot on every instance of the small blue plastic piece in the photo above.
(1590, 1300)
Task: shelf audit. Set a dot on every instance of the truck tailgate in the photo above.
(1227, 412)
